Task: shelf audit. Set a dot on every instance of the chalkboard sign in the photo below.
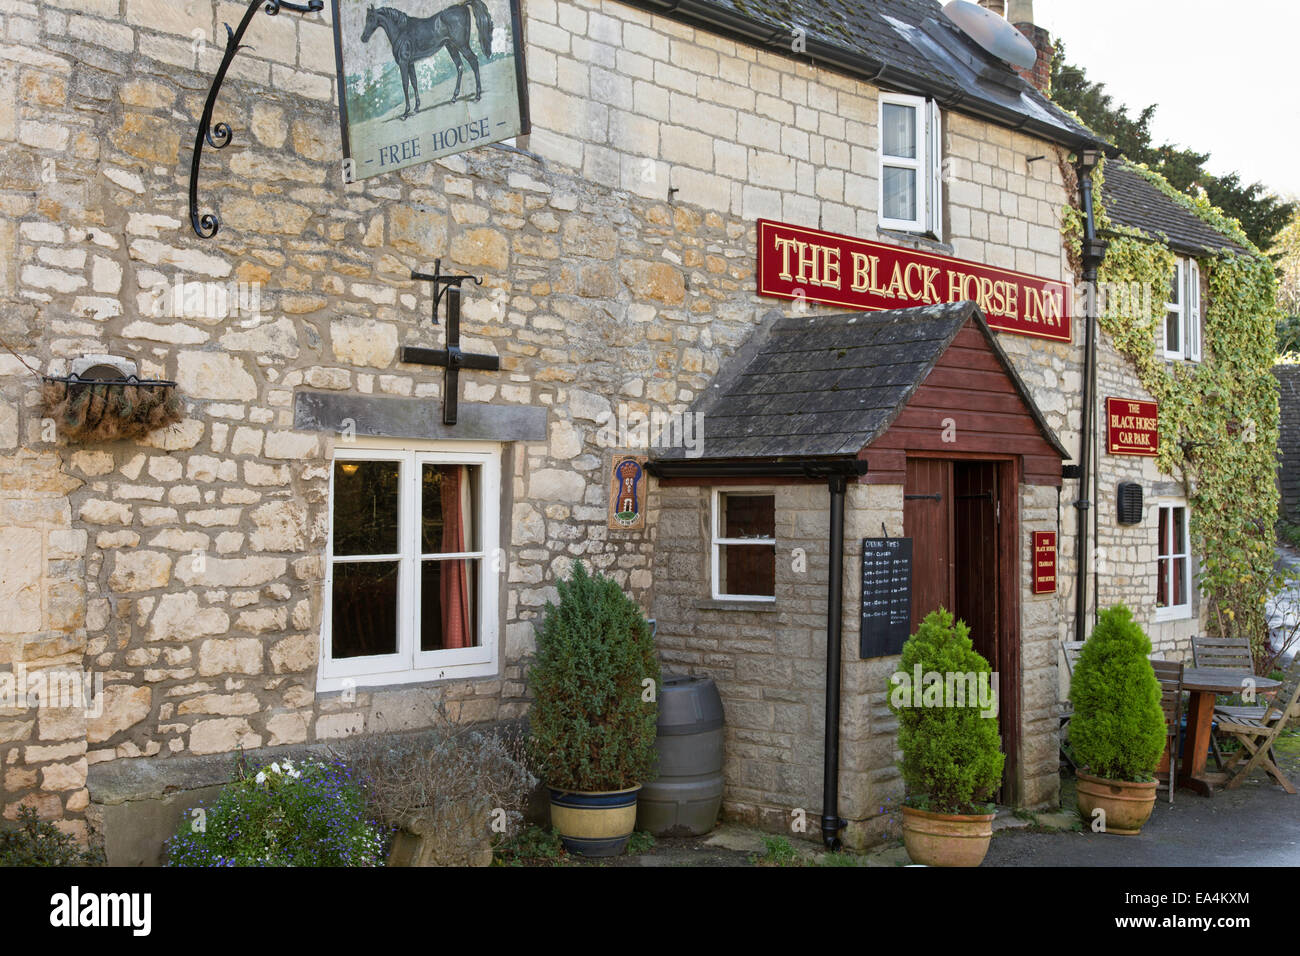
(886, 596)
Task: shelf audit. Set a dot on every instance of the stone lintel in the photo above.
(415, 418)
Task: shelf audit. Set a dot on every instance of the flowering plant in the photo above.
(312, 814)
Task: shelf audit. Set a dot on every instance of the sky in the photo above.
(1223, 74)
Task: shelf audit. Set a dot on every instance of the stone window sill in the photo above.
(762, 607)
(915, 240)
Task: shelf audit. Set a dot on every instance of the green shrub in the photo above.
(592, 728)
(1118, 728)
(530, 845)
(34, 842)
(282, 815)
(777, 851)
(952, 761)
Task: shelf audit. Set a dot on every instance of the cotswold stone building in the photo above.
(310, 553)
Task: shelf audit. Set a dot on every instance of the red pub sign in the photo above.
(1132, 427)
(797, 263)
(1044, 562)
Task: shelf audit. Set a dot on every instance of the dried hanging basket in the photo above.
(95, 410)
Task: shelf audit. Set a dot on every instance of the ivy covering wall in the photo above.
(1219, 417)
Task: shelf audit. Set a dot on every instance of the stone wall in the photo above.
(1288, 445)
(186, 569)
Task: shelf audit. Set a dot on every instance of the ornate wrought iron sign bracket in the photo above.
(218, 136)
(441, 283)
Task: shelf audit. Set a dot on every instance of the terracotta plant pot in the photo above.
(1127, 805)
(594, 824)
(946, 839)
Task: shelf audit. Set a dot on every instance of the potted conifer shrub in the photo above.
(1118, 728)
(952, 758)
(595, 682)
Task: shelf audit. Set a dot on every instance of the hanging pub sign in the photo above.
(627, 493)
(426, 78)
(1044, 562)
(814, 266)
(1132, 427)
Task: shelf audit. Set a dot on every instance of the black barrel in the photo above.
(686, 796)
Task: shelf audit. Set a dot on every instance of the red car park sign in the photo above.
(814, 266)
(1132, 427)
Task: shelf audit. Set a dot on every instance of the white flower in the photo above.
(261, 777)
(275, 767)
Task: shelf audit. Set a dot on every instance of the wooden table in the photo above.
(1206, 683)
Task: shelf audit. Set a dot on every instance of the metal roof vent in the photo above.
(992, 33)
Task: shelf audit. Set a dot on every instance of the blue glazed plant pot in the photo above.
(594, 824)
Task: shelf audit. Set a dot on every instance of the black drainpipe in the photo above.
(831, 822)
(1094, 250)
(837, 474)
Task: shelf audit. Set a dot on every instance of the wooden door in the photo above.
(977, 509)
(928, 521)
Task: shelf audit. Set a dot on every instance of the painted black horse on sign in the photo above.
(417, 38)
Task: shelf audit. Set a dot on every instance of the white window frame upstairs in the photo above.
(718, 542)
(409, 664)
(1186, 312)
(1175, 612)
(927, 165)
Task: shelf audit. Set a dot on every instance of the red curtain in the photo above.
(453, 581)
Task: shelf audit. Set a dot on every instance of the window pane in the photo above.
(449, 499)
(748, 516)
(1178, 544)
(1175, 287)
(900, 193)
(365, 507)
(1173, 332)
(363, 621)
(1162, 581)
(748, 569)
(448, 604)
(1180, 581)
(898, 131)
(1162, 541)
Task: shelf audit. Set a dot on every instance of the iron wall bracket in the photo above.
(218, 136)
(441, 283)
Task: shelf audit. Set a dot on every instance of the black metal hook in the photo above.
(441, 283)
(219, 136)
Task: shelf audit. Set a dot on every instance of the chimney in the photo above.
(1021, 14)
(997, 6)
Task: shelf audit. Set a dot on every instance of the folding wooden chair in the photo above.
(1232, 654)
(1257, 735)
(1224, 653)
(1070, 652)
(1170, 675)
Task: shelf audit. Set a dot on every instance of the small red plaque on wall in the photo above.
(1132, 427)
(1044, 562)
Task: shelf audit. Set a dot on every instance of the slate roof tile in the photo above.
(828, 385)
(1131, 200)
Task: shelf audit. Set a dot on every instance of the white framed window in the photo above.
(410, 585)
(744, 545)
(911, 164)
(1181, 331)
(1173, 563)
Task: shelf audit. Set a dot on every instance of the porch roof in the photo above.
(826, 386)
